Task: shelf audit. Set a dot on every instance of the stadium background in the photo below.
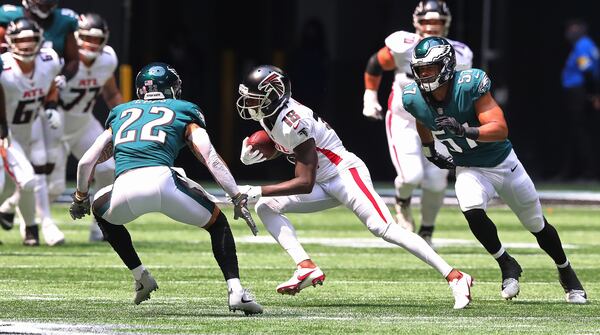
(324, 46)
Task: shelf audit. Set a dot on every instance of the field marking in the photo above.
(362, 242)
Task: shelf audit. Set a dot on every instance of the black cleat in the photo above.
(32, 236)
(575, 294)
(511, 271)
(7, 220)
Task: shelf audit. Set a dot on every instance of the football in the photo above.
(261, 141)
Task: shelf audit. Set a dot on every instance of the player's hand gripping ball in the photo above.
(257, 148)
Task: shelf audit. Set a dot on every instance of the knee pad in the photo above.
(412, 176)
(28, 186)
(267, 205)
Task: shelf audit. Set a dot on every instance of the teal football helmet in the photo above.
(433, 51)
(158, 81)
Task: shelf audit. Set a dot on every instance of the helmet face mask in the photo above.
(432, 18)
(91, 35)
(433, 62)
(24, 39)
(263, 91)
(158, 81)
(40, 8)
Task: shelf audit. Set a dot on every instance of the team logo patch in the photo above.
(157, 71)
(272, 83)
(484, 85)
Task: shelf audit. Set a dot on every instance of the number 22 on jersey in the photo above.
(134, 129)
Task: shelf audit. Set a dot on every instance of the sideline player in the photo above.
(95, 77)
(459, 110)
(146, 136)
(326, 176)
(430, 18)
(27, 80)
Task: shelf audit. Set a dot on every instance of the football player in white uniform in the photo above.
(431, 18)
(27, 78)
(326, 176)
(95, 77)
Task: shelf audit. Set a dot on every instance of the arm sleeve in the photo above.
(202, 147)
(88, 161)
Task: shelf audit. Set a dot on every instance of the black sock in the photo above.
(223, 247)
(119, 239)
(403, 202)
(426, 230)
(549, 241)
(484, 230)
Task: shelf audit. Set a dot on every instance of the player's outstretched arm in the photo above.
(111, 93)
(71, 57)
(199, 142)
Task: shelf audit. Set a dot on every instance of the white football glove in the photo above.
(60, 81)
(53, 118)
(371, 107)
(249, 156)
(254, 192)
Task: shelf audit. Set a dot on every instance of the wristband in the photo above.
(472, 132)
(51, 105)
(429, 149)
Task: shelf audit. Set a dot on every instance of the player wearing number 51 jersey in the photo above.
(326, 176)
(95, 77)
(458, 109)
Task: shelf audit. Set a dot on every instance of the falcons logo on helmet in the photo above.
(274, 82)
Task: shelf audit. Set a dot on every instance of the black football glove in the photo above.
(79, 207)
(240, 210)
(441, 161)
(452, 126)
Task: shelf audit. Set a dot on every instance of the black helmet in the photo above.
(158, 81)
(91, 35)
(40, 8)
(24, 38)
(432, 10)
(262, 92)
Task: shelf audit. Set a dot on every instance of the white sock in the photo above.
(27, 207)
(137, 272)
(234, 285)
(284, 233)
(431, 202)
(41, 197)
(414, 244)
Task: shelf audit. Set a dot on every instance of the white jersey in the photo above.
(23, 95)
(297, 123)
(78, 98)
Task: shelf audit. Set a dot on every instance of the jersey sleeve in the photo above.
(464, 55)
(111, 117)
(9, 13)
(112, 59)
(70, 18)
(191, 113)
(408, 94)
(481, 84)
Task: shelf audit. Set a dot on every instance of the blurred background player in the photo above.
(430, 18)
(95, 77)
(28, 83)
(146, 136)
(58, 25)
(459, 110)
(326, 176)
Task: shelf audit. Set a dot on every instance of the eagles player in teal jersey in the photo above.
(458, 109)
(145, 136)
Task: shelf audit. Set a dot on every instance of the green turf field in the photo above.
(84, 288)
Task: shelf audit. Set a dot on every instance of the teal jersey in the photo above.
(467, 87)
(150, 132)
(64, 21)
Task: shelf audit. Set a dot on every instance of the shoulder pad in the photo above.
(402, 41)
(464, 55)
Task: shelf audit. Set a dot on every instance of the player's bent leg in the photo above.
(271, 212)
(103, 176)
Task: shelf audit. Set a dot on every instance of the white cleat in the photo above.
(576, 297)
(245, 302)
(302, 278)
(52, 234)
(461, 290)
(510, 288)
(144, 287)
